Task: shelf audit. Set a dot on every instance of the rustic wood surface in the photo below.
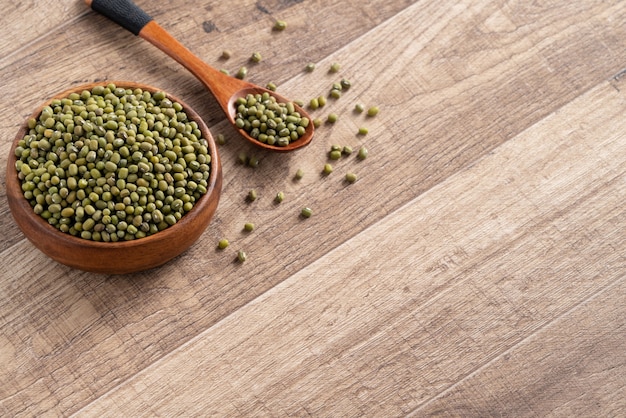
(476, 268)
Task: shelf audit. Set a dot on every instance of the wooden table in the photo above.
(477, 267)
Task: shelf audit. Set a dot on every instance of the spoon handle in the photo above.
(123, 12)
(133, 18)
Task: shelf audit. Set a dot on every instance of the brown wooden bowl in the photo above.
(122, 256)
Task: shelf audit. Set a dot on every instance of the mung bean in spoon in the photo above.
(236, 97)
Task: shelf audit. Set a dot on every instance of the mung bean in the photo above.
(223, 243)
(256, 57)
(306, 212)
(328, 168)
(373, 111)
(280, 196)
(351, 177)
(362, 153)
(242, 73)
(242, 256)
(248, 226)
(280, 25)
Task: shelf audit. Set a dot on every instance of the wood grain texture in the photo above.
(382, 337)
(491, 229)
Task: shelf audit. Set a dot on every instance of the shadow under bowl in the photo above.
(119, 257)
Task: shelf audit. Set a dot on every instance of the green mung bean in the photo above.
(359, 108)
(299, 174)
(362, 153)
(334, 67)
(372, 111)
(335, 94)
(256, 57)
(252, 195)
(363, 131)
(241, 73)
(306, 212)
(280, 25)
(96, 179)
(280, 196)
(248, 226)
(328, 168)
(332, 118)
(242, 256)
(226, 54)
(334, 154)
(310, 67)
(223, 243)
(351, 177)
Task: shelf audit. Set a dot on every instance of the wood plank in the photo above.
(575, 366)
(68, 332)
(528, 239)
(26, 21)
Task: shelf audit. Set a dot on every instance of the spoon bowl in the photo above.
(225, 89)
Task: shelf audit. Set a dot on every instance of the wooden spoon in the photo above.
(225, 89)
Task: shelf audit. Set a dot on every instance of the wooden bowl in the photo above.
(122, 256)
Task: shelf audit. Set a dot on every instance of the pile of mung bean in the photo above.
(269, 121)
(113, 164)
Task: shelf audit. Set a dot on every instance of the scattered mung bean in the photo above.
(359, 108)
(372, 111)
(334, 67)
(242, 256)
(299, 174)
(347, 150)
(328, 168)
(280, 196)
(256, 57)
(226, 54)
(363, 130)
(280, 25)
(334, 154)
(252, 195)
(248, 226)
(332, 118)
(306, 212)
(351, 177)
(242, 73)
(362, 153)
(223, 243)
(310, 67)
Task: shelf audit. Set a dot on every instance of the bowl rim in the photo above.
(205, 200)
